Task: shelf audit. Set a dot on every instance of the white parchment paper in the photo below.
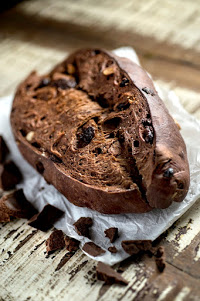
(131, 226)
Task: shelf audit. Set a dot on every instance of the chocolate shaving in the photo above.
(16, 205)
(108, 275)
(112, 234)
(82, 226)
(46, 218)
(55, 241)
(112, 249)
(3, 150)
(133, 247)
(71, 244)
(92, 249)
(9, 175)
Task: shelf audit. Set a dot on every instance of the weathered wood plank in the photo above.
(145, 281)
(183, 242)
(52, 27)
(172, 21)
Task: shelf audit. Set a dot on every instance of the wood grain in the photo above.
(38, 34)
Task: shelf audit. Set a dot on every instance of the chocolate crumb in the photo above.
(160, 263)
(55, 241)
(71, 244)
(160, 252)
(108, 275)
(112, 234)
(134, 247)
(121, 270)
(112, 249)
(3, 150)
(10, 175)
(46, 218)
(16, 205)
(160, 259)
(82, 226)
(92, 249)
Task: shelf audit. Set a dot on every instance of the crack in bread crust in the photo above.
(94, 137)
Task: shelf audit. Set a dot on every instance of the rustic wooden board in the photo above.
(36, 35)
(166, 39)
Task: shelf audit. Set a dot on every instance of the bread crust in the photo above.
(169, 152)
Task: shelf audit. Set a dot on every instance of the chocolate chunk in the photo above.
(160, 263)
(160, 258)
(148, 134)
(43, 83)
(148, 91)
(64, 84)
(124, 82)
(168, 173)
(136, 143)
(86, 136)
(112, 249)
(3, 150)
(9, 175)
(92, 249)
(72, 244)
(82, 226)
(108, 275)
(112, 234)
(55, 241)
(46, 218)
(15, 204)
(133, 247)
(123, 106)
(160, 252)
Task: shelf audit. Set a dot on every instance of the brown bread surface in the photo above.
(97, 130)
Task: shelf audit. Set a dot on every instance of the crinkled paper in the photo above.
(131, 226)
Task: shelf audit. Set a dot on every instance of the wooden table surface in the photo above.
(36, 35)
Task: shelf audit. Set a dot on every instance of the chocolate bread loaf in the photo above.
(97, 130)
